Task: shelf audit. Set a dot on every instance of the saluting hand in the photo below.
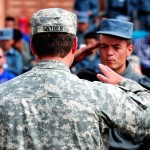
(82, 53)
(109, 75)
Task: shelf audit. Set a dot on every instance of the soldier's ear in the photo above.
(130, 50)
(75, 43)
(32, 48)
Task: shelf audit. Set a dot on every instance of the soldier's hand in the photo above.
(82, 53)
(109, 75)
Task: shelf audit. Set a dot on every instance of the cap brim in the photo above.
(5, 38)
(113, 33)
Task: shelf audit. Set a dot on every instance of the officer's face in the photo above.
(114, 52)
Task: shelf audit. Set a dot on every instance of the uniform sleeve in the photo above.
(126, 107)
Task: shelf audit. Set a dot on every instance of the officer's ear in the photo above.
(75, 43)
(130, 50)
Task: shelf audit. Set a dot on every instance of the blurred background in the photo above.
(16, 14)
(25, 8)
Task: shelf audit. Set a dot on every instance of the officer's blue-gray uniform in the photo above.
(48, 107)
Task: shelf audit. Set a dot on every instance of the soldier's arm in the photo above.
(82, 53)
(127, 104)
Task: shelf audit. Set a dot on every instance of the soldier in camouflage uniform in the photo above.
(49, 108)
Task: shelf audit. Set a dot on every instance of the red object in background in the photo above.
(23, 24)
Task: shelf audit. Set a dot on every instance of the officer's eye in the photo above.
(103, 46)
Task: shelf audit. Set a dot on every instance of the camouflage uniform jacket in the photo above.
(49, 108)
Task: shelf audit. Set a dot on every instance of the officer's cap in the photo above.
(6, 34)
(116, 27)
(54, 20)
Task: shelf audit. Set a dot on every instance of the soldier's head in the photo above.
(53, 32)
(115, 43)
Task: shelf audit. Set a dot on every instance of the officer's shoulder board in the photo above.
(145, 82)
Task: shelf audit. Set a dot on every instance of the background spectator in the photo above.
(14, 58)
(23, 48)
(4, 74)
(142, 50)
(118, 9)
(82, 28)
(135, 63)
(88, 7)
(143, 13)
(10, 22)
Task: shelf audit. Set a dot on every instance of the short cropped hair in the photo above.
(52, 44)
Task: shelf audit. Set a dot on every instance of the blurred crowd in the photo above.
(16, 57)
(136, 11)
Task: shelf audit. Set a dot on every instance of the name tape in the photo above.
(53, 28)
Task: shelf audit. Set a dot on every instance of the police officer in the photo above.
(115, 47)
(48, 107)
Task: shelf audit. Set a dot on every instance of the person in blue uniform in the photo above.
(115, 46)
(5, 75)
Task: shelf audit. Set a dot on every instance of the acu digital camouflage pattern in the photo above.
(49, 108)
(54, 20)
